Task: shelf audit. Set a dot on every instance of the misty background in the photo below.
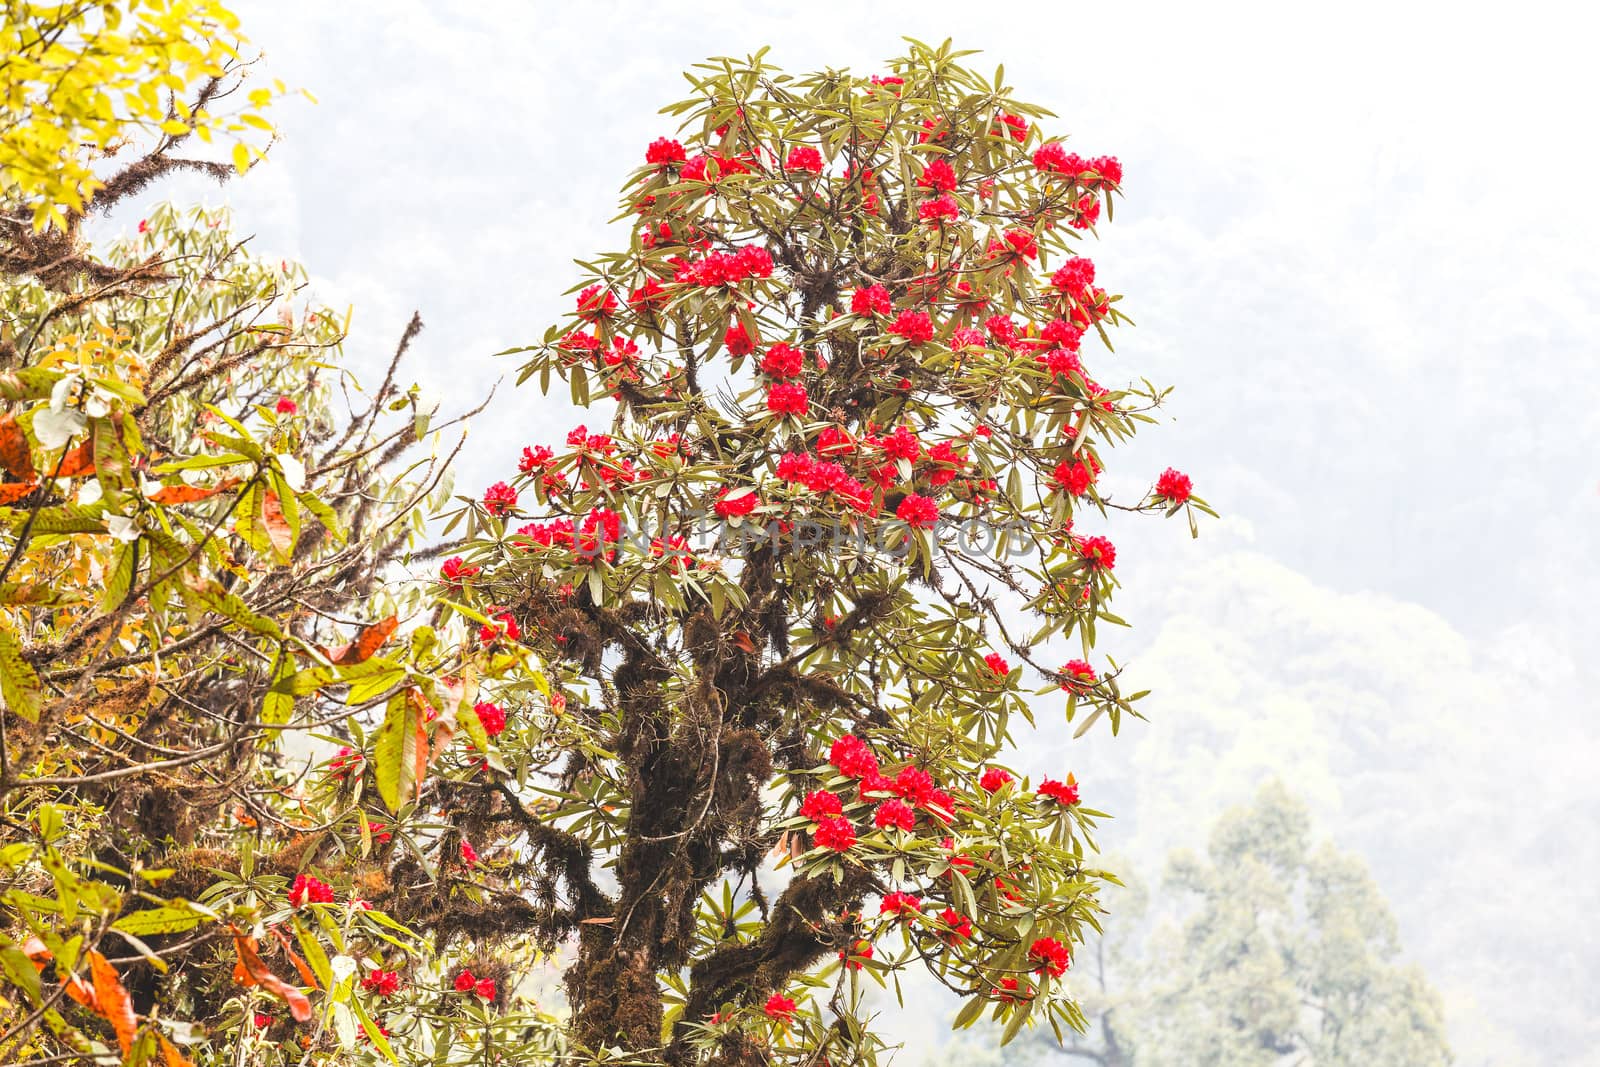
(1358, 241)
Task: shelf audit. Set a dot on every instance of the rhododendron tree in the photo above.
(791, 601)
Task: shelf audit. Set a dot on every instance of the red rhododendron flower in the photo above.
(993, 779)
(664, 152)
(821, 804)
(835, 440)
(469, 855)
(380, 830)
(873, 300)
(787, 398)
(967, 339)
(596, 303)
(1073, 476)
(1087, 213)
(779, 1007)
(783, 361)
(1050, 955)
(383, 983)
(836, 833)
(1063, 793)
(1010, 990)
(485, 989)
(914, 326)
(465, 982)
(959, 926)
(939, 210)
(651, 294)
(534, 459)
(937, 176)
(500, 625)
(902, 444)
(852, 756)
(342, 764)
(1077, 676)
(894, 813)
(1174, 486)
(309, 890)
(1019, 244)
(1074, 276)
(861, 950)
(917, 510)
(997, 663)
(1014, 125)
(913, 784)
(1053, 158)
(737, 341)
(492, 716)
(726, 268)
(261, 1019)
(804, 157)
(901, 905)
(1108, 168)
(498, 498)
(286, 406)
(1100, 553)
(741, 503)
(454, 570)
(1063, 334)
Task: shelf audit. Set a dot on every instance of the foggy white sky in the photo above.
(1360, 241)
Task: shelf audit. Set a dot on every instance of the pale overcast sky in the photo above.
(1359, 240)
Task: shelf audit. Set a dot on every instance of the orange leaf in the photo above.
(11, 492)
(276, 525)
(367, 642)
(76, 988)
(260, 974)
(78, 462)
(742, 640)
(188, 494)
(170, 1054)
(306, 977)
(112, 1001)
(14, 455)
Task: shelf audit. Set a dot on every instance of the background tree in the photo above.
(842, 348)
(1267, 951)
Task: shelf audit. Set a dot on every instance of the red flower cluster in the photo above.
(959, 926)
(780, 1007)
(856, 953)
(783, 361)
(1014, 125)
(1075, 276)
(1098, 552)
(821, 804)
(1174, 486)
(726, 268)
(835, 833)
(663, 152)
(997, 663)
(347, 760)
(939, 210)
(492, 716)
(730, 503)
(383, 983)
(499, 498)
(895, 814)
(534, 459)
(1077, 676)
(595, 303)
(483, 987)
(286, 406)
(1048, 954)
(1063, 793)
(918, 511)
(915, 326)
(994, 779)
(787, 398)
(737, 341)
(873, 300)
(309, 890)
(455, 570)
(901, 905)
(1053, 158)
(937, 176)
(469, 855)
(804, 157)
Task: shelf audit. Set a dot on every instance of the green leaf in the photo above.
(398, 748)
(277, 707)
(20, 687)
(168, 920)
